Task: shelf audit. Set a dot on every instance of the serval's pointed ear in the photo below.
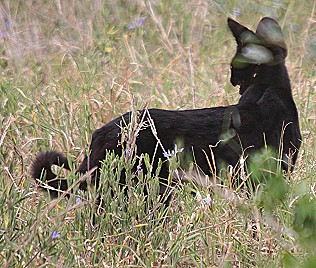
(241, 33)
(270, 31)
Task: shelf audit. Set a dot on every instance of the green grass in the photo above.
(68, 67)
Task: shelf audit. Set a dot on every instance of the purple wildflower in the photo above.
(78, 200)
(139, 168)
(207, 200)
(3, 35)
(7, 23)
(236, 12)
(169, 153)
(128, 152)
(137, 24)
(55, 235)
(176, 150)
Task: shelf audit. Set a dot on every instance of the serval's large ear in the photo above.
(242, 34)
(270, 32)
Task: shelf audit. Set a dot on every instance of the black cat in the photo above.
(265, 114)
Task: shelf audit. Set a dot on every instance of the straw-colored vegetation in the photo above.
(68, 67)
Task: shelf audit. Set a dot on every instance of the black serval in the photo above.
(265, 115)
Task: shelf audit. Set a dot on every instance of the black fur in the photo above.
(41, 168)
(265, 114)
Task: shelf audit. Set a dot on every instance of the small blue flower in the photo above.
(139, 168)
(169, 153)
(137, 24)
(78, 200)
(207, 200)
(55, 235)
(128, 152)
(236, 12)
(3, 35)
(176, 150)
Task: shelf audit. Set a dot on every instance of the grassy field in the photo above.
(68, 67)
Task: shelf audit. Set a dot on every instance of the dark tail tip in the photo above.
(41, 169)
(44, 161)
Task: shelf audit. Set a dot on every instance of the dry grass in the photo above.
(68, 67)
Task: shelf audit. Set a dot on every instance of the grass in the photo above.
(68, 67)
